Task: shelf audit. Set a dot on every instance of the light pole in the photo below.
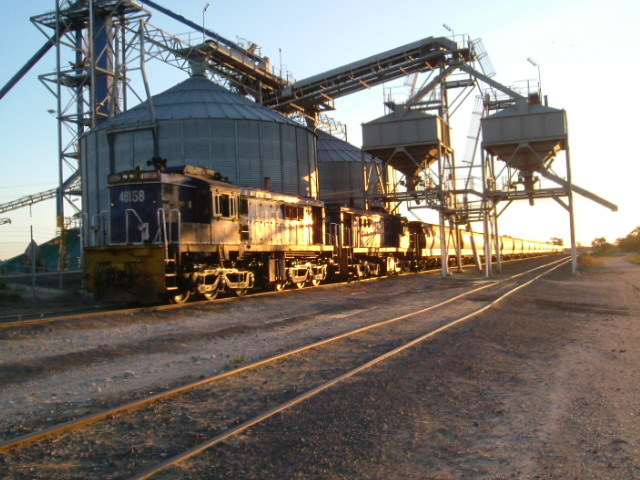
(532, 62)
(206, 7)
(450, 30)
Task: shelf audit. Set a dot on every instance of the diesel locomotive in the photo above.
(179, 232)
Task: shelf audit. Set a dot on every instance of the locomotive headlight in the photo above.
(114, 178)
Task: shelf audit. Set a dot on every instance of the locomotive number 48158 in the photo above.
(131, 196)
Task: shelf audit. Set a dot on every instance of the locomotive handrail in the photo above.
(126, 222)
(105, 219)
(334, 235)
(95, 227)
(167, 237)
(162, 230)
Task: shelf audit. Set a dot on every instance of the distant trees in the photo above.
(600, 245)
(630, 243)
(557, 241)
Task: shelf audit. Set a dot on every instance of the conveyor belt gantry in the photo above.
(316, 93)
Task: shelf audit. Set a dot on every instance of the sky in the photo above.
(585, 51)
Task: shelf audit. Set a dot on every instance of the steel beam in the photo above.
(568, 186)
(489, 81)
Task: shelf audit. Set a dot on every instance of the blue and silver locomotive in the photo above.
(183, 232)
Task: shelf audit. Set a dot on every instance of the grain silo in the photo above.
(346, 174)
(407, 140)
(525, 136)
(198, 122)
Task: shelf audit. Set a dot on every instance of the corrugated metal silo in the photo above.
(200, 123)
(407, 140)
(346, 173)
(525, 135)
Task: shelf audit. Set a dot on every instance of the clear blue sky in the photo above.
(586, 51)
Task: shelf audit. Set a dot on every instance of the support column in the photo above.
(474, 248)
(60, 194)
(444, 247)
(486, 211)
(496, 238)
(572, 226)
(458, 237)
(487, 246)
(444, 240)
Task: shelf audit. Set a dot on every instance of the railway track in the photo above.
(30, 319)
(26, 319)
(140, 438)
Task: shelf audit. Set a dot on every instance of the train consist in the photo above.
(179, 232)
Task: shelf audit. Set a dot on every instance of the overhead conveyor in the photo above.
(317, 93)
(72, 183)
(28, 200)
(247, 71)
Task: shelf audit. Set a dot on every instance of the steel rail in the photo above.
(127, 311)
(76, 316)
(321, 388)
(122, 311)
(96, 417)
(163, 307)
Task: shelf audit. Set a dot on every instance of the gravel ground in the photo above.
(56, 371)
(546, 386)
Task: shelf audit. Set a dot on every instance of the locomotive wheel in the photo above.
(182, 297)
(241, 292)
(300, 284)
(314, 282)
(279, 286)
(211, 295)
